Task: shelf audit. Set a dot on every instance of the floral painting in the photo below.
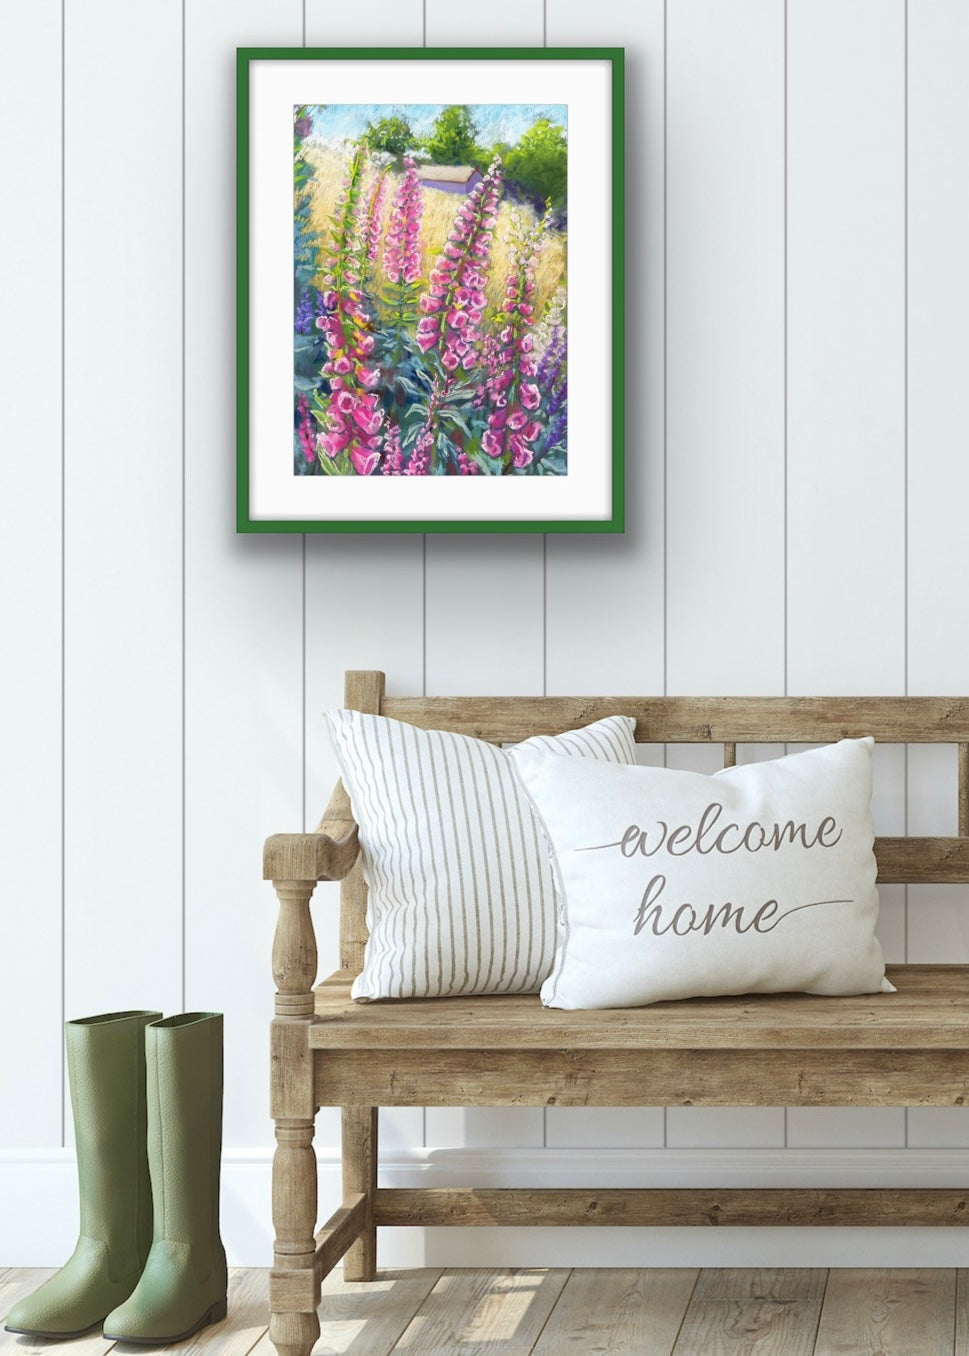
(430, 303)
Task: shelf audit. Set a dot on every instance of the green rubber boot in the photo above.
(106, 1069)
(183, 1285)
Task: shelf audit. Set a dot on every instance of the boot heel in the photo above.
(217, 1312)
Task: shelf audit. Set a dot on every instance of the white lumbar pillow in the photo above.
(461, 895)
(759, 879)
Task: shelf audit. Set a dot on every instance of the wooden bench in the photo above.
(903, 1049)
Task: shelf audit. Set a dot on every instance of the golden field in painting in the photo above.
(439, 211)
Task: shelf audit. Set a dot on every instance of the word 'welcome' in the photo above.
(708, 835)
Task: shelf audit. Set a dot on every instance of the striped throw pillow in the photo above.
(461, 892)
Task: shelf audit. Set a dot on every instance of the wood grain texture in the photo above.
(868, 1312)
(961, 1347)
(363, 691)
(366, 1318)
(698, 720)
(607, 1313)
(929, 1010)
(360, 1140)
(761, 1283)
(749, 1328)
(599, 1077)
(481, 1313)
(312, 856)
(655, 1207)
(342, 1229)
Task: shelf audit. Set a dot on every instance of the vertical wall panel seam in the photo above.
(302, 633)
(182, 695)
(63, 581)
(545, 587)
(665, 412)
(424, 586)
(302, 644)
(905, 533)
(786, 508)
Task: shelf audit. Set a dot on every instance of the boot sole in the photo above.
(215, 1314)
(54, 1336)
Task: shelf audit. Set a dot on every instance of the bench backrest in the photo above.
(697, 720)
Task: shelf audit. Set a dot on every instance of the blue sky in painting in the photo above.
(336, 123)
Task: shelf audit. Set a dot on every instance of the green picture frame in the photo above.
(425, 345)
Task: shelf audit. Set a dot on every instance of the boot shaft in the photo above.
(107, 1076)
(184, 1094)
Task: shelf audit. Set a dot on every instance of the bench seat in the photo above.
(930, 1010)
(908, 1048)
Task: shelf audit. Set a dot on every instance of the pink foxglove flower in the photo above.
(351, 414)
(392, 462)
(513, 428)
(402, 243)
(374, 216)
(453, 306)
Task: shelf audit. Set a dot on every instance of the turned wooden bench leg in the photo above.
(294, 1283)
(294, 1287)
(360, 1175)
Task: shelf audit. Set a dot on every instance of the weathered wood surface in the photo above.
(482, 1313)
(922, 861)
(631, 1077)
(732, 1327)
(929, 1011)
(761, 1283)
(962, 1313)
(871, 1311)
(607, 1313)
(652, 1206)
(359, 1153)
(597, 1312)
(342, 1228)
(312, 856)
(363, 691)
(698, 720)
(371, 1315)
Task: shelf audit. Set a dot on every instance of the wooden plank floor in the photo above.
(540, 1312)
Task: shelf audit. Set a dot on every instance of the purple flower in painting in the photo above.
(306, 311)
(306, 430)
(302, 127)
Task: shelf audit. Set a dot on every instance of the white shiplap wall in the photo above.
(797, 286)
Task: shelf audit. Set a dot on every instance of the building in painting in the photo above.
(449, 178)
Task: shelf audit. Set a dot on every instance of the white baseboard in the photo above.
(38, 1207)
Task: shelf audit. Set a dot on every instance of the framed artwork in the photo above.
(430, 324)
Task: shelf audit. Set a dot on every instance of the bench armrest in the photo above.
(327, 854)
